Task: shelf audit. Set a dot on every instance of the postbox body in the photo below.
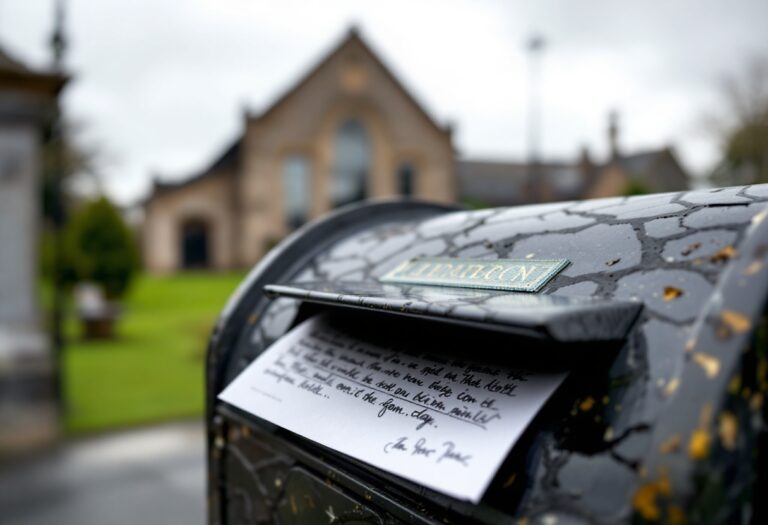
(660, 314)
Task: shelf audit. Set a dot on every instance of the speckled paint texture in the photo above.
(671, 430)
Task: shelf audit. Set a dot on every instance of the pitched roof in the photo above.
(659, 168)
(499, 183)
(16, 73)
(353, 36)
(490, 182)
(10, 64)
(639, 163)
(228, 160)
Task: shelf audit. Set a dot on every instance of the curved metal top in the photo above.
(697, 261)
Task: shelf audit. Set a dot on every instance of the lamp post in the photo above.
(534, 46)
(58, 218)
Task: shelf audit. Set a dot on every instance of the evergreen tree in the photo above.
(100, 248)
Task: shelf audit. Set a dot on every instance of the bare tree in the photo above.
(82, 163)
(742, 127)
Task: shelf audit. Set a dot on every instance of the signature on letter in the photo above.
(450, 453)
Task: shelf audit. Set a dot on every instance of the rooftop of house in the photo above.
(504, 183)
(488, 182)
(16, 74)
(9, 63)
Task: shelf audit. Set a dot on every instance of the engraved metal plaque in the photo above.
(518, 275)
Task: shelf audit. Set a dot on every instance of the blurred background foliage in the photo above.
(100, 248)
(741, 126)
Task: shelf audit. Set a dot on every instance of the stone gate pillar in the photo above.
(28, 416)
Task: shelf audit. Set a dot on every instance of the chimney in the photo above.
(613, 134)
(586, 167)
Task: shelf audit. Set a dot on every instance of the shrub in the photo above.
(100, 248)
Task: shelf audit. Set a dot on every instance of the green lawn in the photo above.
(153, 369)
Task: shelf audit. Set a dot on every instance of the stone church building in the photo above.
(346, 131)
(349, 130)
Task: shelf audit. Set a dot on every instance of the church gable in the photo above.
(347, 131)
(351, 78)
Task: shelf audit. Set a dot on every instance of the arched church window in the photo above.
(406, 179)
(296, 190)
(351, 165)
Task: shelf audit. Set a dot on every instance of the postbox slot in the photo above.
(543, 317)
(480, 349)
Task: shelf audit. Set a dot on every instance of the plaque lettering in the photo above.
(501, 274)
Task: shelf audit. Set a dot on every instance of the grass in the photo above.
(154, 369)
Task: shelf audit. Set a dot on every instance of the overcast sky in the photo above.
(161, 85)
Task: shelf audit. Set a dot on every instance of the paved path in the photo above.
(148, 476)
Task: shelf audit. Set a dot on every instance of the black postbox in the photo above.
(659, 314)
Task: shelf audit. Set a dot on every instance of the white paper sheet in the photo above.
(444, 423)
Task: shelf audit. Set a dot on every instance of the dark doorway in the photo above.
(194, 244)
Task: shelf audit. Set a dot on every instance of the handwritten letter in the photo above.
(442, 422)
